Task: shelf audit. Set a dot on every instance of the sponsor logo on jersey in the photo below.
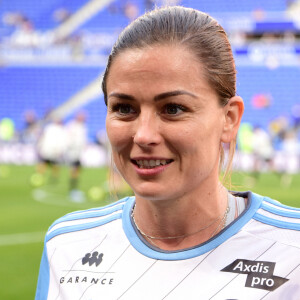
(86, 279)
(91, 260)
(94, 258)
(259, 273)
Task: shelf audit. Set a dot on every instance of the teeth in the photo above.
(152, 163)
(148, 164)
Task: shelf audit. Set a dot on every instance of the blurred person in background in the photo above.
(262, 150)
(291, 155)
(76, 131)
(170, 90)
(277, 128)
(31, 130)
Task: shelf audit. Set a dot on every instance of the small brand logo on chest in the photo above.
(94, 258)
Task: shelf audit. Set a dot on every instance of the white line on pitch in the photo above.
(21, 238)
(46, 197)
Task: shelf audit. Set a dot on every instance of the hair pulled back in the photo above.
(195, 30)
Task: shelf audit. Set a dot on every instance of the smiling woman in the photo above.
(170, 91)
(176, 118)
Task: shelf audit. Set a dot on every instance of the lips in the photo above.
(151, 163)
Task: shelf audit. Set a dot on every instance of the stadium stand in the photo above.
(267, 79)
(238, 5)
(280, 86)
(40, 13)
(43, 89)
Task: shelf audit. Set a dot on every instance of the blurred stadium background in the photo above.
(52, 56)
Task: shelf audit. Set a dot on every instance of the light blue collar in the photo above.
(254, 202)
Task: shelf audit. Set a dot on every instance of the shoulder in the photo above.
(274, 213)
(80, 221)
(276, 221)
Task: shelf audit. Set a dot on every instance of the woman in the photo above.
(170, 92)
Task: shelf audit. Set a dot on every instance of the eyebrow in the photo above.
(156, 98)
(173, 94)
(121, 96)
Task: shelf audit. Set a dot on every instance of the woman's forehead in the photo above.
(146, 73)
(157, 59)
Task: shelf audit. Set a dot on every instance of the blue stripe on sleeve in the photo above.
(89, 214)
(276, 223)
(280, 204)
(44, 278)
(280, 212)
(79, 227)
(123, 200)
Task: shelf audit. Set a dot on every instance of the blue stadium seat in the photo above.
(112, 16)
(42, 89)
(40, 13)
(281, 85)
(236, 5)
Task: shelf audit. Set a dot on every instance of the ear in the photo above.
(233, 114)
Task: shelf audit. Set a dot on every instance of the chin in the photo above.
(150, 193)
(146, 194)
(154, 194)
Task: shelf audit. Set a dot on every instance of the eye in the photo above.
(173, 109)
(123, 108)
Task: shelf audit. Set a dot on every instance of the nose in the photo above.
(147, 131)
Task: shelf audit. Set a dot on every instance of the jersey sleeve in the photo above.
(43, 279)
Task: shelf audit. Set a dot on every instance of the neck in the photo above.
(186, 222)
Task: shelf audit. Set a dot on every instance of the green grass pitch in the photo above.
(27, 211)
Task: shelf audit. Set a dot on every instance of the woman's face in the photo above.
(164, 122)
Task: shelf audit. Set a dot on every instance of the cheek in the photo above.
(118, 135)
(199, 144)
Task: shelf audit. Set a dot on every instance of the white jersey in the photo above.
(98, 254)
(76, 140)
(52, 144)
